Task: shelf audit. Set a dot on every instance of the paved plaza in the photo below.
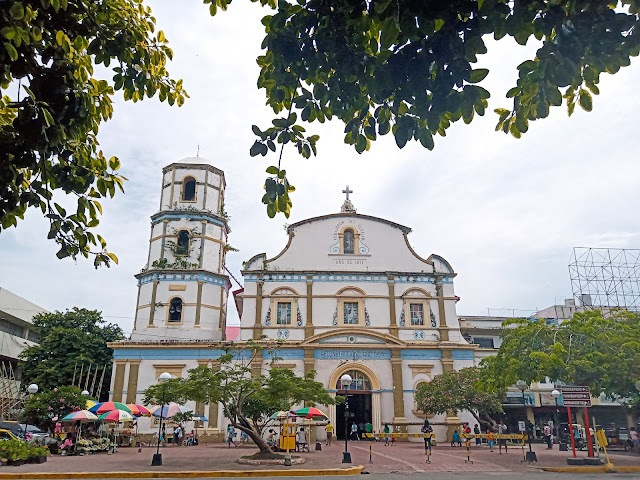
(403, 458)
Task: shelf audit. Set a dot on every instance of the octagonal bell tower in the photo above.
(182, 290)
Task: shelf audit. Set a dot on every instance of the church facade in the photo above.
(347, 294)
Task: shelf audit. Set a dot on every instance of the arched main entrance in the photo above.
(364, 398)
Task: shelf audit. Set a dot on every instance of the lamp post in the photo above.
(556, 418)
(157, 457)
(32, 389)
(85, 393)
(531, 455)
(345, 381)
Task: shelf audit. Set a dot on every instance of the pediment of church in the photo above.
(353, 336)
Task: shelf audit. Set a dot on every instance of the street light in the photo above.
(157, 457)
(531, 455)
(556, 418)
(85, 393)
(32, 389)
(345, 381)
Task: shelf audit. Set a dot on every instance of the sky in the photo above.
(504, 212)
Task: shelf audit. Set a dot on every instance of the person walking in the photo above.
(502, 430)
(231, 433)
(476, 432)
(426, 428)
(386, 431)
(633, 434)
(176, 435)
(368, 428)
(547, 436)
(456, 439)
(329, 429)
(490, 440)
(354, 431)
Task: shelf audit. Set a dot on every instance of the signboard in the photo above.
(547, 400)
(576, 396)
(521, 425)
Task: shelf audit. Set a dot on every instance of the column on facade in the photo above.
(451, 421)
(376, 412)
(256, 364)
(118, 380)
(308, 327)
(443, 329)
(152, 306)
(398, 391)
(132, 383)
(393, 326)
(198, 304)
(257, 328)
(309, 364)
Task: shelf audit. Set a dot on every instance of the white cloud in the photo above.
(504, 212)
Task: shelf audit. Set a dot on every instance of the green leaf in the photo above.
(272, 170)
(60, 37)
(585, 100)
(478, 75)
(255, 149)
(17, 11)
(13, 53)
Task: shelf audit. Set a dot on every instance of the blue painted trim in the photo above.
(462, 354)
(151, 276)
(170, 353)
(285, 354)
(179, 215)
(414, 354)
(346, 277)
(409, 390)
(386, 390)
(349, 354)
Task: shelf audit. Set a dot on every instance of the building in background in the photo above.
(16, 333)
(539, 405)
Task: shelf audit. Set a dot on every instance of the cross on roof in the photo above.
(347, 191)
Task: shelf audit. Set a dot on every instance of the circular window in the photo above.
(351, 339)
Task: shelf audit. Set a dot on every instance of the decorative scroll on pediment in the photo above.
(351, 292)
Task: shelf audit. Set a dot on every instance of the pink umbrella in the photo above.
(167, 410)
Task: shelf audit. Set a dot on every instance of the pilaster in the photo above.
(393, 326)
(444, 330)
(152, 313)
(132, 383)
(451, 421)
(118, 380)
(308, 327)
(257, 328)
(399, 420)
(198, 304)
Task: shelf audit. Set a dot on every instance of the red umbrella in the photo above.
(139, 410)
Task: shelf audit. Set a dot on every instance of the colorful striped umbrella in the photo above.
(85, 415)
(165, 411)
(281, 415)
(116, 416)
(90, 404)
(312, 413)
(139, 410)
(105, 407)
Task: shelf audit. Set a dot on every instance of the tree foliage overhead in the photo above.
(247, 400)
(68, 341)
(409, 67)
(52, 103)
(603, 353)
(458, 391)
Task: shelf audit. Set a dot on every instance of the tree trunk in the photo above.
(488, 422)
(260, 442)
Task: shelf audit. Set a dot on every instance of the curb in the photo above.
(600, 469)
(190, 474)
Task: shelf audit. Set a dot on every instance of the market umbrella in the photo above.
(91, 404)
(105, 407)
(167, 410)
(82, 415)
(116, 416)
(139, 410)
(311, 413)
(282, 414)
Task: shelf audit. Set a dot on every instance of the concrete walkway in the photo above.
(402, 458)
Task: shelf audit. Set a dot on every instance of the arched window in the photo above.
(175, 310)
(189, 189)
(182, 247)
(349, 241)
(360, 381)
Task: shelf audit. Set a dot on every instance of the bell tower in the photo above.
(183, 288)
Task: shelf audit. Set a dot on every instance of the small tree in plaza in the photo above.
(458, 391)
(247, 401)
(41, 408)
